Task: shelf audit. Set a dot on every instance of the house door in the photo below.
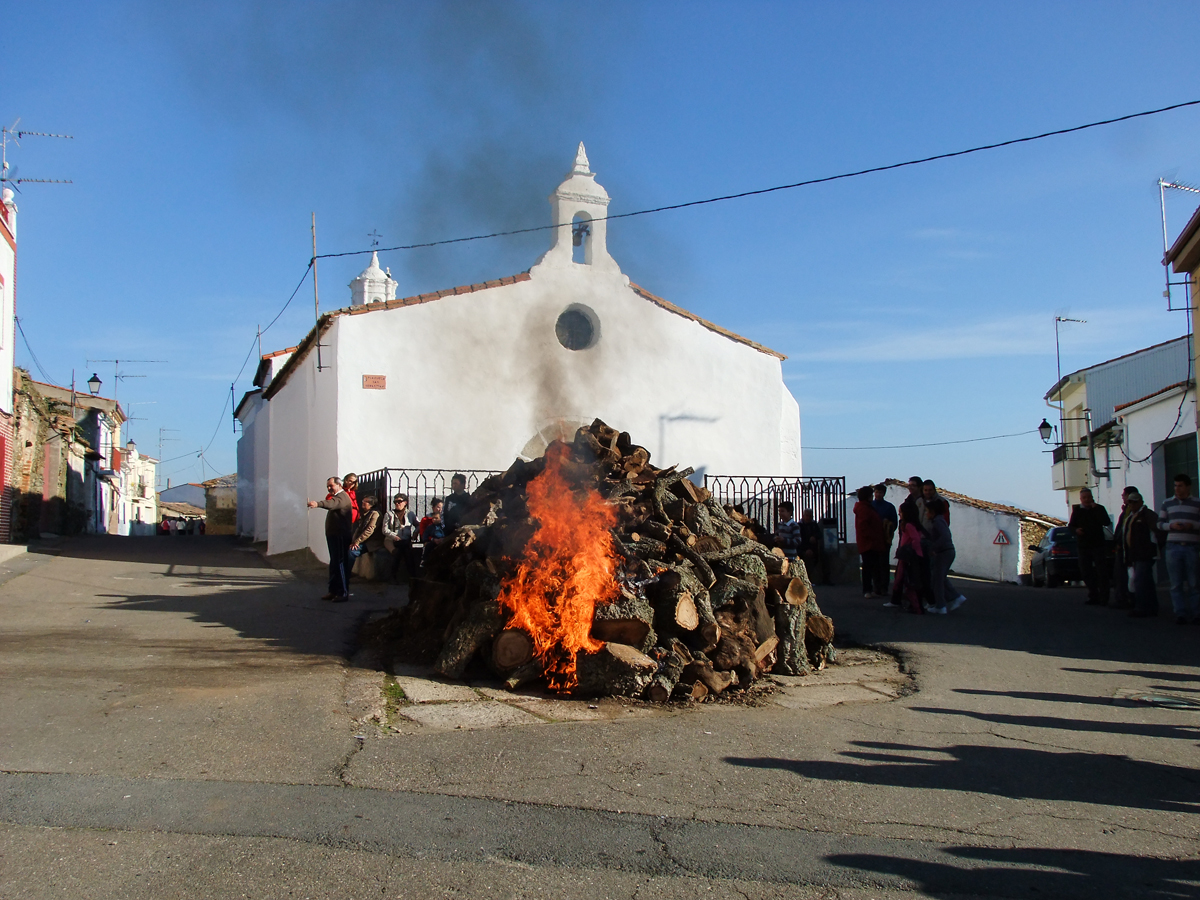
(1179, 457)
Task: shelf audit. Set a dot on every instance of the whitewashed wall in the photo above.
(303, 439)
(974, 531)
(8, 263)
(1146, 425)
(471, 379)
(476, 379)
(246, 458)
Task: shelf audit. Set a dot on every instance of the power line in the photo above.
(33, 355)
(994, 437)
(784, 187)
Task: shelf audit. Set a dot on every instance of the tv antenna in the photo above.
(118, 375)
(14, 135)
(1163, 186)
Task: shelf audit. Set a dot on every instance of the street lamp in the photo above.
(94, 383)
(1045, 430)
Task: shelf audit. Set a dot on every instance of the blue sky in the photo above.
(915, 306)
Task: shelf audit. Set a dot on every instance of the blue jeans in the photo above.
(939, 576)
(1183, 566)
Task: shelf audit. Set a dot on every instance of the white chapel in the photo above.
(521, 360)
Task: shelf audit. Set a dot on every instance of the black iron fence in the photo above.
(421, 485)
(759, 497)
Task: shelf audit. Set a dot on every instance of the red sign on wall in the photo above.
(1001, 538)
(374, 382)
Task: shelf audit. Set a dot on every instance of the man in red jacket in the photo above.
(871, 537)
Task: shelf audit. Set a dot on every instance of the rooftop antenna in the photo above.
(1163, 185)
(118, 375)
(13, 135)
(316, 295)
(163, 439)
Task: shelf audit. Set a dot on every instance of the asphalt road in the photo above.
(180, 720)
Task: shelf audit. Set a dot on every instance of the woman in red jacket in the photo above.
(871, 537)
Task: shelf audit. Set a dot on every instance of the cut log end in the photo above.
(511, 649)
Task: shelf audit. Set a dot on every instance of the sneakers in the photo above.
(868, 596)
(891, 604)
(936, 610)
(957, 602)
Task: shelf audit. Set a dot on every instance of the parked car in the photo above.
(1056, 559)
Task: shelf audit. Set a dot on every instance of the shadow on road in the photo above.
(1038, 873)
(1019, 773)
(220, 583)
(1046, 622)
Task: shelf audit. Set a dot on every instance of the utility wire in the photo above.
(784, 187)
(752, 193)
(994, 437)
(33, 355)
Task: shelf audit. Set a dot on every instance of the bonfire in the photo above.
(593, 572)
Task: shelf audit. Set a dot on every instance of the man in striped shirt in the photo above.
(1181, 520)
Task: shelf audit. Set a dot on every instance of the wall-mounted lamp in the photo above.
(94, 383)
(1045, 430)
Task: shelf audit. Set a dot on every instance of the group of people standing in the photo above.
(924, 554)
(354, 526)
(1126, 579)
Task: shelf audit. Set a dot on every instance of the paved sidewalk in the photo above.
(182, 720)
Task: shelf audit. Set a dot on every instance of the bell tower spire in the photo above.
(579, 208)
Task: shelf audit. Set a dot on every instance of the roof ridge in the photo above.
(711, 326)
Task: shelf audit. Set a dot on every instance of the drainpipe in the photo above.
(1096, 473)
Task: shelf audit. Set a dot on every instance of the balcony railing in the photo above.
(1069, 452)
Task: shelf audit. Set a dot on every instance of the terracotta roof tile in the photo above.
(1169, 387)
(711, 326)
(986, 505)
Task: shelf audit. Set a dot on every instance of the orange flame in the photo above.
(566, 570)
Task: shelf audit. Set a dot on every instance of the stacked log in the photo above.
(696, 605)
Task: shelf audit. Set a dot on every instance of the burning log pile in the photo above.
(598, 573)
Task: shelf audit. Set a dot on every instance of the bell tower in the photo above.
(578, 209)
(373, 285)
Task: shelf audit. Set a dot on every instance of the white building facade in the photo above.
(521, 361)
(137, 513)
(1127, 422)
(8, 311)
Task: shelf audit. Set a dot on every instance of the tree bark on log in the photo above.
(528, 673)
(615, 669)
(792, 652)
(704, 673)
(664, 682)
(480, 626)
(694, 690)
(627, 620)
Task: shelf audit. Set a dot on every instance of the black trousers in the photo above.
(872, 581)
(339, 564)
(1094, 567)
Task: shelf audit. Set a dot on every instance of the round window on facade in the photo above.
(577, 328)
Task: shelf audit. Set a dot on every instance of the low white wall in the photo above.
(974, 531)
